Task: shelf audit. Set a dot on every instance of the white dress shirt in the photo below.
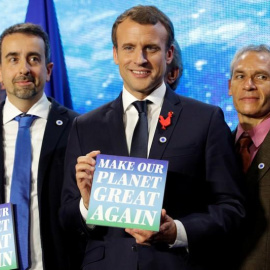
(130, 119)
(131, 115)
(10, 129)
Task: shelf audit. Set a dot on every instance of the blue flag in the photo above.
(42, 12)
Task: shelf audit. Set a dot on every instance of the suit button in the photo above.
(134, 248)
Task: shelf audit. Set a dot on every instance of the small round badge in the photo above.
(59, 122)
(163, 139)
(261, 166)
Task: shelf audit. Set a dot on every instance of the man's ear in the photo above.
(169, 55)
(49, 71)
(172, 75)
(115, 55)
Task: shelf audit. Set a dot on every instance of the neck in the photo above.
(24, 105)
(248, 123)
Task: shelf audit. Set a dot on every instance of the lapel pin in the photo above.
(59, 122)
(165, 122)
(261, 166)
(163, 139)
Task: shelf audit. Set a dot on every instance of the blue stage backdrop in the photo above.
(209, 32)
(43, 12)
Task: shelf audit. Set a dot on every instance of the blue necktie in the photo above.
(21, 187)
(140, 135)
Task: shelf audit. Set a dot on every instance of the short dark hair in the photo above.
(27, 29)
(176, 63)
(249, 48)
(145, 15)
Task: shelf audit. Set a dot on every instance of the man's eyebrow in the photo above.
(34, 53)
(11, 54)
(238, 70)
(146, 45)
(256, 71)
(152, 44)
(262, 71)
(127, 44)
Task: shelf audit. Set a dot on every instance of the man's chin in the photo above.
(25, 93)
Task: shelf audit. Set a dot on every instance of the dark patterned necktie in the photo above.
(243, 145)
(139, 142)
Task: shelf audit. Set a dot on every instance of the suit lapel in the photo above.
(56, 124)
(261, 162)
(114, 120)
(53, 132)
(171, 103)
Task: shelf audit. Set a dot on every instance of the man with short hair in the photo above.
(25, 67)
(202, 201)
(249, 86)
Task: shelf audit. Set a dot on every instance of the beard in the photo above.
(25, 92)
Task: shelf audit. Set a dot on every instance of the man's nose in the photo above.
(249, 84)
(140, 57)
(24, 67)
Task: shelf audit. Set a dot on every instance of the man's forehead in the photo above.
(253, 60)
(21, 41)
(135, 30)
(23, 37)
(254, 56)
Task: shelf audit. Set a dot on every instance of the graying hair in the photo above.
(250, 48)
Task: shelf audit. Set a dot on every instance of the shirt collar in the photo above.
(40, 108)
(257, 134)
(156, 97)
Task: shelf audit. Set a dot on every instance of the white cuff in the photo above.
(181, 237)
(83, 210)
(84, 213)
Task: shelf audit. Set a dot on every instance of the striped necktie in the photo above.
(243, 145)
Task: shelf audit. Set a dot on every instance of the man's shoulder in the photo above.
(188, 101)
(100, 112)
(57, 108)
(197, 103)
(197, 106)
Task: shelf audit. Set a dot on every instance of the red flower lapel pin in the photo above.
(165, 122)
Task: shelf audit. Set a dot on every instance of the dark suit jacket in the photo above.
(55, 245)
(201, 190)
(255, 242)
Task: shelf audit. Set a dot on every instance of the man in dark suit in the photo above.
(25, 68)
(250, 88)
(202, 201)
